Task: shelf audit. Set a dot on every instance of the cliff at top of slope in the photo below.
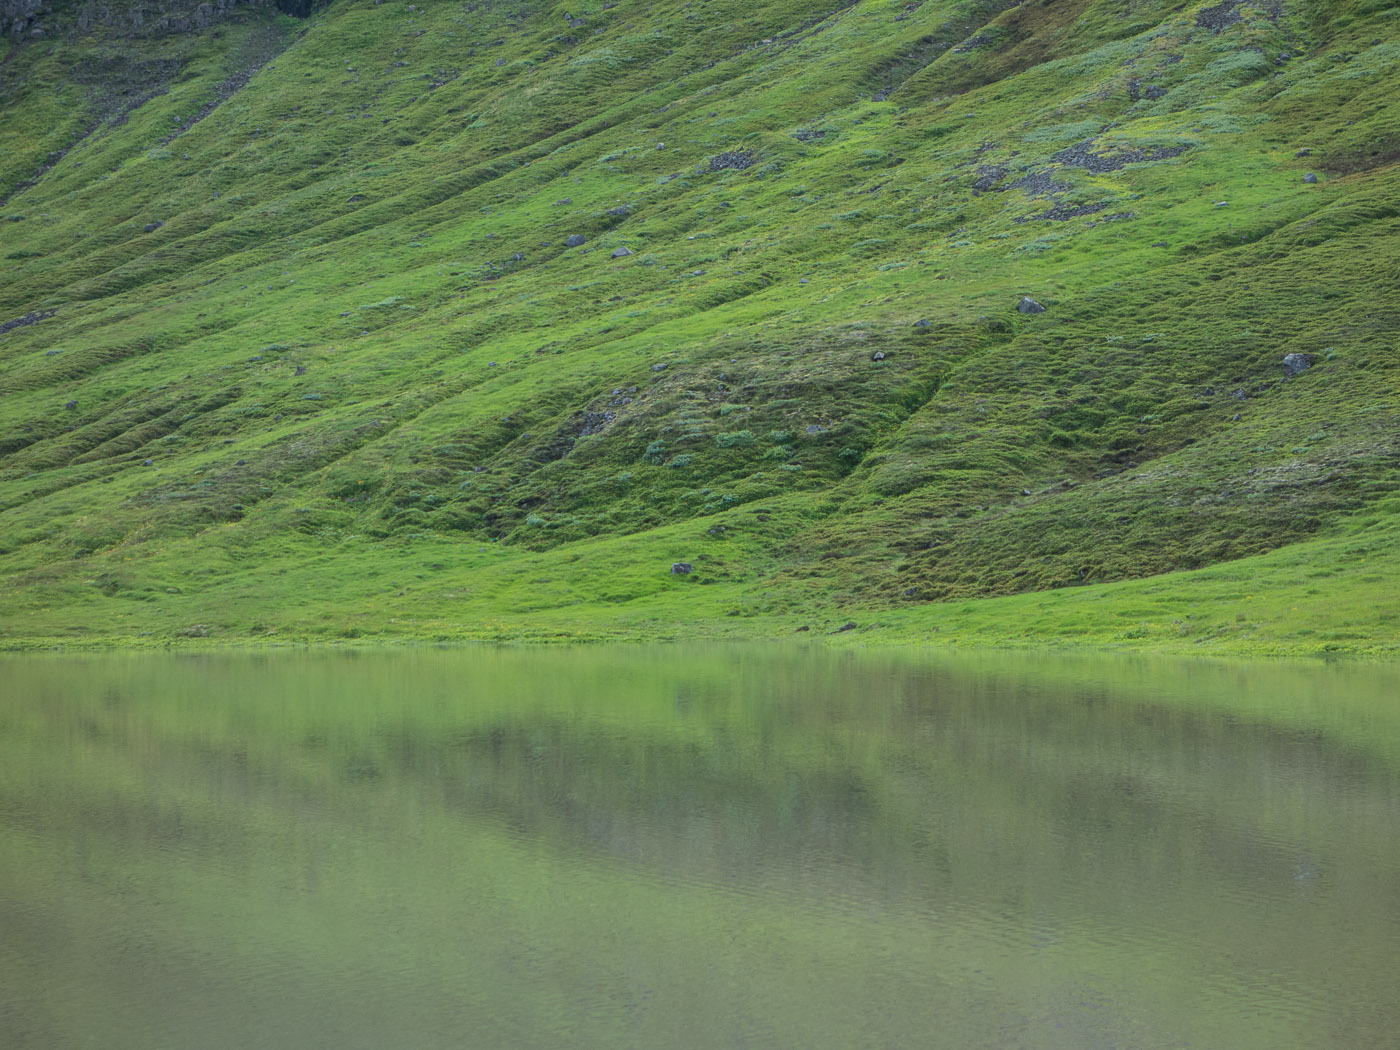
(490, 304)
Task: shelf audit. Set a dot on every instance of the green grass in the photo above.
(380, 398)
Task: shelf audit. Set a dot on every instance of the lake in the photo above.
(696, 847)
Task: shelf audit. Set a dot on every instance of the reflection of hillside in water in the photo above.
(922, 786)
(883, 844)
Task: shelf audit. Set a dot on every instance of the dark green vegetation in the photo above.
(303, 350)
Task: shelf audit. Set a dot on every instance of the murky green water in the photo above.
(696, 848)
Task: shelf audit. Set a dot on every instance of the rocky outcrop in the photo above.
(37, 19)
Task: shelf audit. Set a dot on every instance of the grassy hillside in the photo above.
(468, 320)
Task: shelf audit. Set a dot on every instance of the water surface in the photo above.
(700, 848)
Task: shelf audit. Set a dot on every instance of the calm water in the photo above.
(696, 848)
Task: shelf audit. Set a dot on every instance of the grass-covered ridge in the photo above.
(303, 349)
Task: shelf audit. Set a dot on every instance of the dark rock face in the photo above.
(575, 240)
(296, 8)
(16, 15)
(1027, 305)
(1294, 364)
(40, 18)
(682, 568)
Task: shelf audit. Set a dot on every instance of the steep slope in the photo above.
(407, 315)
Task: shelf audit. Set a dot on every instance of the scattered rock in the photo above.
(682, 568)
(30, 318)
(1065, 212)
(622, 253)
(71, 405)
(1027, 305)
(813, 428)
(1083, 155)
(148, 462)
(734, 159)
(878, 355)
(1294, 364)
(659, 367)
(620, 210)
(1040, 184)
(151, 227)
(988, 175)
(199, 630)
(1310, 178)
(923, 322)
(1218, 17)
(846, 627)
(1221, 204)
(804, 280)
(301, 370)
(804, 627)
(562, 201)
(1304, 152)
(971, 44)
(575, 240)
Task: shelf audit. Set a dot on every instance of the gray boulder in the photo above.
(575, 240)
(682, 568)
(1310, 178)
(1294, 364)
(1027, 305)
(622, 253)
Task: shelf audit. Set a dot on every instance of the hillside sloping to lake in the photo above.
(448, 320)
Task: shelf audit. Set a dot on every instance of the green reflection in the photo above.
(696, 847)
